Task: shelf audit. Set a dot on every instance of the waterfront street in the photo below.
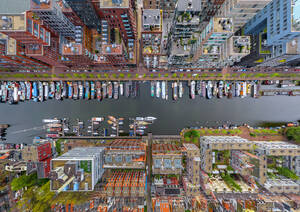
(171, 115)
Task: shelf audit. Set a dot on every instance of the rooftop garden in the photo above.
(38, 197)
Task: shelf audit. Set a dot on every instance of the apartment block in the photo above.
(167, 159)
(185, 23)
(125, 155)
(282, 186)
(290, 152)
(280, 20)
(126, 184)
(50, 12)
(191, 182)
(77, 170)
(41, 154)
(241, 11)
(85, 10)
(207, 49)
(34, 41)
(210, 143)
(160, 204)
(12, 55)
(152, 37)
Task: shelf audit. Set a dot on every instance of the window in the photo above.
(167, 163)
(157, 163)
(36, 30)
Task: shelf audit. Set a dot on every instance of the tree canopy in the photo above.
(293, 133)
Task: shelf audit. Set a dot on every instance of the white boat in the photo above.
(163, 89)
(175, 91)
(157, 89)
(180, 90)
(51, 120)
(193, 89)
(46, 90)
(121, 89)
(149, 118)
(139, 118)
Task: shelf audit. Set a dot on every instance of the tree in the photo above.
(293, 133)
(174, 75)
(166, 75)
(121, 75)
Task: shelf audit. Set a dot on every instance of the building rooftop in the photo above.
(189, 146)
(189, 5)
(268, 145)
(114, 3)
(14, 6)
(81, 152)
(151, 18)
(12, 22)
(72, 48)
(223, 25)
(10, 44)
(41, 4)
(165, 148)
(223, 139)
(112, 49)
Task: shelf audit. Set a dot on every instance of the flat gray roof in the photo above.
(14, 6)
(150, 16)
(183, 5)
(81, 152)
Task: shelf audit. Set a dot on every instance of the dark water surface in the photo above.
(172, 116)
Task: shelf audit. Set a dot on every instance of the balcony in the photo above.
(112, 49)
(71, 49)
(12, 22)
(34, 49)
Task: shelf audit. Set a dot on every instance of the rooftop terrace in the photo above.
(112, 49)
(41, 4)
(114, 3)
(12, 22)
(72, 48)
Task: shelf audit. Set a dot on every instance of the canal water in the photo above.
(26, 117)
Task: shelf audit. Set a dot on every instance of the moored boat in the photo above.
(58, 91)
(220, 87)
(70, 90)
(175, 91)
(41, 92)
(116, 90)
(163, 90)
(209, 87)
(121, 88)
(110, 90)
(46, 90)
(23, 91)
(75, 93)
(192, 89)
(104, 90)
(81, 90)
(93, 93)
(152, 88)
(158, 89)
(203, 89)
(35, 91)
(98, 90)
(87, 90)
(28, 90)
(52, 90)
(180, 90)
